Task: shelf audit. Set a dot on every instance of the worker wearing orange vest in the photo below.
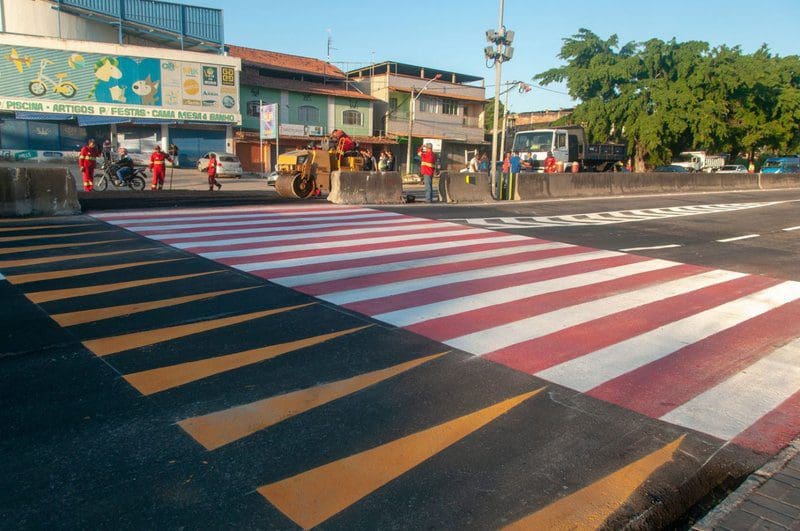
(87, 160)
(158, 167)
(427, 168)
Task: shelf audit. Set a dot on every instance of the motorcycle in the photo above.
(136, 180)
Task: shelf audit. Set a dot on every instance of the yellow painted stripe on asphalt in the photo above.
(90, 316)
(223, 427)
(314, 496)
(43, 227)
(112, 345)
(7, 239)
(156, 380)
(12, 250)
(68, 273)
(62, 258)
(58, 294)
(591, 506)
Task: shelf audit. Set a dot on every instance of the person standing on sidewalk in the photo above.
(158, 167)
(212, 173)
(427, 168)
(173, 152)
(87, 160)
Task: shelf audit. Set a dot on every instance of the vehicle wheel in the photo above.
(101, 184)
(37, 88)
(293, 186)
(68, 90)
(137, 183)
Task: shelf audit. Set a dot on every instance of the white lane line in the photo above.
(600, 366)
(352, 272)
(498, 337)
(729, 408)
(265, 265)
(737, 238)
(670, 246)
(210, 223)
(792, 228)
(211, 214)
(404, 286)
(467, 303)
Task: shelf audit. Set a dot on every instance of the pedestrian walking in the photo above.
(427, 168)
(87, 160)
(212, 173)
(174, 152)
(158, 167)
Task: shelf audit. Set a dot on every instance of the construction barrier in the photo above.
(365, 188)
(769, 181)
(37, 192)
(465, 187)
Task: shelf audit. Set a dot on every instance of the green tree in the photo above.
(488, 116)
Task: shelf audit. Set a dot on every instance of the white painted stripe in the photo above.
(729, 408)
(653, 248)
(402, 287)
(792, 228)
(179, 217)
(265, 265)
(593, 369)
(341, 274)
(260, 219)
(231, 211)
(232, 230)
(737, 238)
(182, 243)
(467, 303)
(502, 336)
(328, 246)
(2, 277)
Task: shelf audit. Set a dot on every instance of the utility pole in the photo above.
(501, 52)
(411, 104)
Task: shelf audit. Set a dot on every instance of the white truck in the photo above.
(699, 161)
(568, 144)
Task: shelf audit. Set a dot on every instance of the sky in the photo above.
(450, 34)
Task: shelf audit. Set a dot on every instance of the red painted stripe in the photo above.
(288, 230)
(473, 287)
(323, 239)
(388, 259)
(661, 386)
(473, 321)
(540, 353)
(772, 432)
(288, 255)
(434, 270)
(278, 213)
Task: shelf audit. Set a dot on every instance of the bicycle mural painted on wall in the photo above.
(61, 85)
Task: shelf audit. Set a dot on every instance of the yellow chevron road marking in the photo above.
(63, 258)
(67, 273)
(12, 250)
(90, 316)
(156, 380)
(591, 506)
(222, 427)
(314, 496)
(112, 345)
(43, 227)
(7, 239)
(58, 294)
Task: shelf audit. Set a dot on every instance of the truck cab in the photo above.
(566, 144)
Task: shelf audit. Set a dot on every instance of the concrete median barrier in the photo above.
(770, 181)
(37, 192)
(465, 187)
(365, 188)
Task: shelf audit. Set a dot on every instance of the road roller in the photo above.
(307, 172)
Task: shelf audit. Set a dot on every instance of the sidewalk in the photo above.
(768, 499)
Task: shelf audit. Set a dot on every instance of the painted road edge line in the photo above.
(669, 246)
(745, 237)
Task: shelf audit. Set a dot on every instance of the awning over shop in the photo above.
(43, 116)
(88, 120)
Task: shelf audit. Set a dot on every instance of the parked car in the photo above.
(271, 178)
(228, 164)
(671, 168)
(732, 168)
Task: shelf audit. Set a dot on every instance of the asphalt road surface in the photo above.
(575, 363)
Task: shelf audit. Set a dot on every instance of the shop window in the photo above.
(307, 115)
(252, 108)
(352, 118)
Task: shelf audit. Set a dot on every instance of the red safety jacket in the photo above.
(212, 167)
(88, 157)
(158, 158)
(427, 162)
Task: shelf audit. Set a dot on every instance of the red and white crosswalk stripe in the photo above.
(711, 350)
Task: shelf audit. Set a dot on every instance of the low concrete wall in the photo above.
(32, 191)
(770, 181)
(465, 187)
(557, 185)
(365, 188)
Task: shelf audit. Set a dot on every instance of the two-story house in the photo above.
(313, 97)
(449, 111)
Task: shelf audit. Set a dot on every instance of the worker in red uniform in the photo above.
(212, 172)
(343, 144)
(87, 160)
(158, 167)
(427, 168)
(550, 163)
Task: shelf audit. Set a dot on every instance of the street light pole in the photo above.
(497, 78)
(412, 104)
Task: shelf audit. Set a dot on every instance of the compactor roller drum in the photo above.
(294, 185)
